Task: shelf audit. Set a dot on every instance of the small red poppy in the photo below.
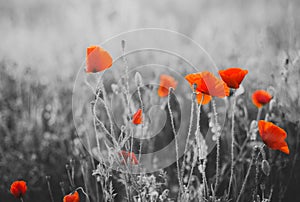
(97, 59)
(260, 98)
(128, 155)
(207, 84)
(137, 118)
(233, 77)
(273, 136)
(18, 188)
(166, 82)
(72, 197)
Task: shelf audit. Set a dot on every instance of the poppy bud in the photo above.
(115, 88)
(138, 79)
(272, 104)
(123, 44)
(265, 166)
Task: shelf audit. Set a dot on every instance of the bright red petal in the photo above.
(138, 117)
(97, 59)
(206, 98)
(260, 98)
(273, 136)
(18, 188)
(166, 82)
(72, 197)
(208, 84)
(233, 76)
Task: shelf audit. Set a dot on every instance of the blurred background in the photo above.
(43, 45)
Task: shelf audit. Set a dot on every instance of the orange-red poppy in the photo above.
(72, 197)
(233, 77)
(205, 100)
(273, 136)
(18, 188)
(207, 84)
(97, 59)
(128, 155)
(260, 98)
(166, 82)
(137, 118)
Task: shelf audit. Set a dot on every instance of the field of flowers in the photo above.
(82, 125)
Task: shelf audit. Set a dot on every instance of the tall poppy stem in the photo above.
(247, 176)
(21, 199)
(258, 114)
(218, 145)
(232, 144)
(49, 188)
(196, 136)
(176, 142)
(189, 134)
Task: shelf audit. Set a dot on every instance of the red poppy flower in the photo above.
(207, 84)
(18, 188)
(260, 98)
(233, 77)
(97, 59)
(137, 118)
(166, 82)
(72, 197)
(132, 158)
(273, 136)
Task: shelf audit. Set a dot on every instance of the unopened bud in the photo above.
(138, 79)
(265, 166)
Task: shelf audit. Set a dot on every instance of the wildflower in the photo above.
(273, 136)
(260, 98)
(233, 77)
(207, 85)
(132, 158)
(72, 197)
(166, 82)
(97, 59)
(18, 189)
(137, 118)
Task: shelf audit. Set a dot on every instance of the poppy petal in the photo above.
(131, 155)
(260, 98)
(233, 76)
(206, 98)
(166, 82)
(72, 197)
(208, 84)
(273, 136)
(97, 59)
(18, 188)
(137, 118)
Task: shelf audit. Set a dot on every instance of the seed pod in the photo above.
(265, 166)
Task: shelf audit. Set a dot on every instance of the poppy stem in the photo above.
(49, 188)
(197, 142)
(258, 114)
(21, 199)
(218, 145)
(142, 107)
(176, 142)
(247, 176)
(232, 144)
(189, 134)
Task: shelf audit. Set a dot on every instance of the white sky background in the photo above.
(52, 36)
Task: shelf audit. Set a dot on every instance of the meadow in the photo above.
(51, 120)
